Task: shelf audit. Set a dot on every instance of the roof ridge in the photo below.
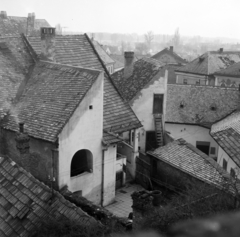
(77, 68)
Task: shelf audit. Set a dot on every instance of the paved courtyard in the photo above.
(123, 200)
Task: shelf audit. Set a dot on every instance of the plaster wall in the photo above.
(191, 79)
(142, 105)
(84, 131)
(109, 179)
(230, 163)
(228, 81)
(192, 134)
(41, 150)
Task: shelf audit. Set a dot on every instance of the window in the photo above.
(213, 150)
(197, 82)
(185, 81)
(203, 146)
(157, 103)
(233, 173)
(81, 162)
(224, 164)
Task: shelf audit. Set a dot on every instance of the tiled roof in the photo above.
(76, 50)
(227, 134)
(16, 25)
(25, 202)
(144, 71)
(198, 102)
(15, 63)
(211, 62)
(102, 53)
(171, 53)
(50, 97)
(232, 71)
(110, 138)
(189, 159)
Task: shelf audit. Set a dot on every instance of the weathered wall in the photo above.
(142, 105)
(228, 81)
(192, 134)
(40, 154)
(84, 131)
(230, 163)
(143, 170)
(191, 79)
(109, 178)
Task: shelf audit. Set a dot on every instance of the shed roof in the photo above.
(187, 158)
(25, 202)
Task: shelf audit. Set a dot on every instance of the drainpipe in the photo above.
(102, 183)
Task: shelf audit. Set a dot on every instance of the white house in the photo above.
(72, 114)
(143, 84)
(201, 71)
(191, 110)
(228, 77)
(226, 133)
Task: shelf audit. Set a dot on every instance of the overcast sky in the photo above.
(213, 18)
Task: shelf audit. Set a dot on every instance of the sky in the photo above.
(207, 18)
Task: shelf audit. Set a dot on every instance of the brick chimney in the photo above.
(22, 144)
(48, 43)
(171, 48)
(129, 63)
(3, 14)
(221, 50)
(30, 23)
(22, 140)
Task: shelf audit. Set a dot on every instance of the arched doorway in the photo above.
(82, 161)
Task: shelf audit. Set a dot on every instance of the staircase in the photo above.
(158, 129)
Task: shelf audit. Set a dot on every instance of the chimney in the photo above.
(221, 50)
(22, 140)
(48, 43)
(171, 48)
(22, 144)
(128, 65)
(30, 23)
(3, 14)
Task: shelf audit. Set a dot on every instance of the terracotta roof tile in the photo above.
(227, 134)
(144, 71)
(211, 62)
(76, 50)
(102, 53)
(197, 102)
(22, 216)
(50, 97)
(171, 53)
(189, 159)
(232, 71)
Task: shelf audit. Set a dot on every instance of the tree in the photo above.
(149, 36)
(176, 39)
